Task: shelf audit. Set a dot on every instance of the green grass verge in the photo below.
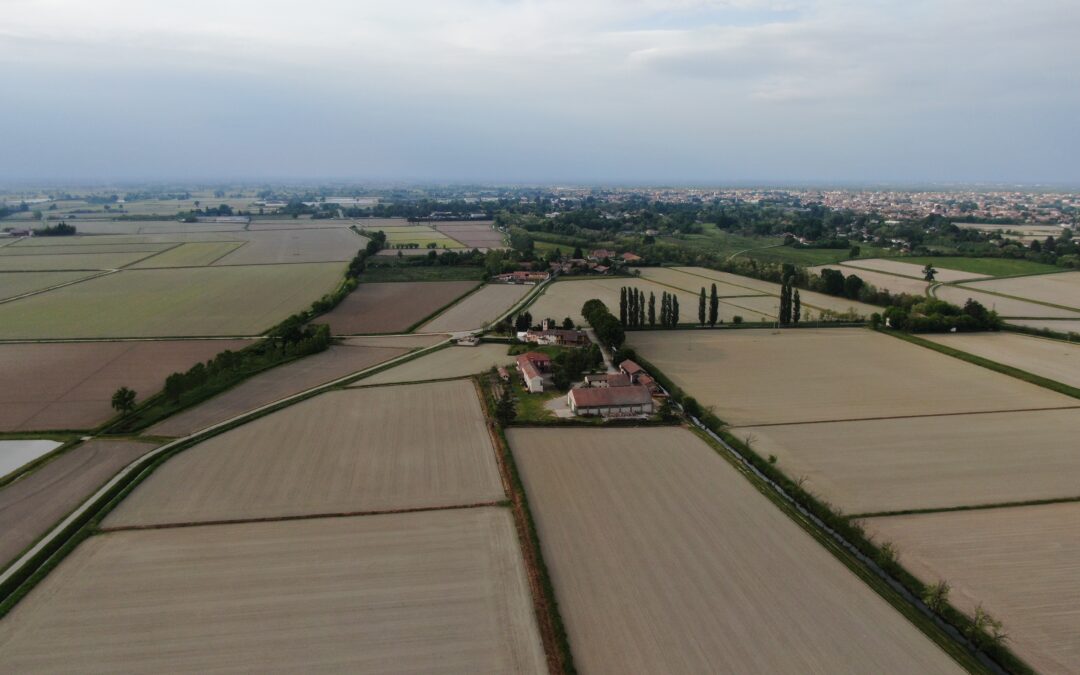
(995, 267)
(377, 273)
(1019, 374)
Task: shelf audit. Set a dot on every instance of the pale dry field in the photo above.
(16, 453)
(82, 248)
(278, 383)
(70, 261)
(1062, 288)
(691, 283)
(760, 376)
(1064, 326)
(483, 306)
(356, 450)
(812, 302)
(1021, 563)
(266, 247)
(192, 254)
(666, 560)
(69, 385)
(431, 592)
(1052, 359)
(565, 298)
(1004, 306)
(473, 235)
(909, 269)
(444, 364)
(179, 302)
(881, 280)
(391, 307)
(40, 499)
(876, 466)
(13, 284)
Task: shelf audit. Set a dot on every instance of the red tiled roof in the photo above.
(610, 396)
(630, 368)
(535, 357)
(612, 379)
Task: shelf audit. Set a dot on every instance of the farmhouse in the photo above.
(631, 370)
(611, 401)
(532, 366)
(607, 380)
(631, 257)
(522, 277)
(601, 254)
(556, 336)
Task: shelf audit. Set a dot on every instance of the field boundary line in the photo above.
(446, 308)
(556, 642)
(966, 507)
(904, 417)
(302, 516)
(965, 285)
(54, 545)
(1011, 371)
(102, 273)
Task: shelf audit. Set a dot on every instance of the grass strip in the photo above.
(968, 507)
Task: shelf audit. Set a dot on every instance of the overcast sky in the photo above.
(660, 91)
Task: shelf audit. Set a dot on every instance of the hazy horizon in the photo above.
(810, 93)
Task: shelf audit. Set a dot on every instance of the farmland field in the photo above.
(757, 376)
(908, 269)
(1059, 326)
(194, 254)
(391, 307)
(294, 246)
(1052, 359)
(665, 559)
(473, 234)
(880, 280)
(873, 466)
(37, 501)
(1061, 289)
(348, 451)
(171, 302)
(70, 261)
(83, 248)
(565, 298)
(481, 307)
(691, 283)
(444, 364)
(810, 300)
(415, 592)
(292, 378)
(994, 267)
(1004, 306)
(70, 385)
(1020, 563)
(13, 284)
(15, 454)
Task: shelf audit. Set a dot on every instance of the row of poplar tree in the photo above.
(634, 311)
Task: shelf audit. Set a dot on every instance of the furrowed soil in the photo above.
(392, 307)
(441, 591)
(69, 385)
(1022, 564)
(909, 269)
(36, 502)
(444, 364)
(666, 560)
(1006, 307)
(1062, 288)
(350, 451)
(476, 310)
(281, 382)
(929, 462)
(756, 376)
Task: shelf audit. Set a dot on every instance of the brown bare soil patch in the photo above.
(372, 449)
(439, 591)
(665, 560)
(1022, 564)
(391, 307)
(275, 384)
(479, 308)
(37, 501)
(70, 385)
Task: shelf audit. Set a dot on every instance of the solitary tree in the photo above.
(714, 306)
(652, 309)
(568, 323)
(936, 595)
(929, 272)
(504, 409)
(701, 307)
(123, 401)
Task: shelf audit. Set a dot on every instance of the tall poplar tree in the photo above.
(701, 307)
(641, 309)
(674, 310)
(714, 306)
(622, 306)
(796, 308)
(652, 309)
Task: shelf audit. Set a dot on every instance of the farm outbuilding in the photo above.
(531, 366)
(611, 401)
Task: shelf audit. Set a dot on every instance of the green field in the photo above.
(17, 283)
(195, 254)
(237, 300)
(70, 261)
(995, 267)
